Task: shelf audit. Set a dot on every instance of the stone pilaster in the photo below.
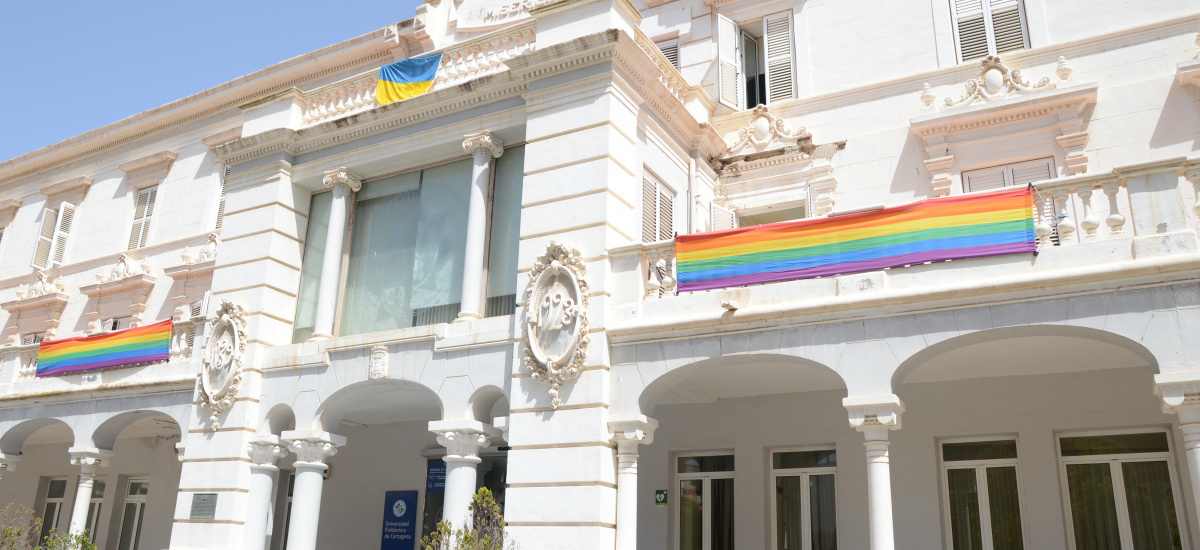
(629, 434)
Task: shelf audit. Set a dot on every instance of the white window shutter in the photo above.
(45, 243)
(730, 89)
(720, 218)
(66, 215)
(984, 179)
(670, 50)
(221, 204)
(143, 212)
(970, 29)
(666, 214)
(781, 80)
(649, 211)
(1008, 32)
(1025, 173)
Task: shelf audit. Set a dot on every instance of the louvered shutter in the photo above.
(721, 218)
(143, 212)
(984, 179)
(1025, 173)
(666, 214)
(1008, 33)
(649, 211)
(729, 64)
(670, 50)
(971, 29)
(221, 204)
(777, 33)
(66, 215)
(45, 243)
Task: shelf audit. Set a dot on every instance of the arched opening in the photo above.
(986, 445)
(747, 449)
(279, 419)
(42, 479)
(133, 499)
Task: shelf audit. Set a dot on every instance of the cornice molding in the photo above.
(62, 189)
(1013, 109)
(149, 170)
(8, 210)
(222, 137)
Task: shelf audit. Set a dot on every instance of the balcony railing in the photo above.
(475, 58)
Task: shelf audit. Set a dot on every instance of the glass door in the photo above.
(135, 510)
(705, 520)
(805, 500)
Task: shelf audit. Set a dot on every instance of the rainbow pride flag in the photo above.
(934, 230)
(406, 78)
(133, 346)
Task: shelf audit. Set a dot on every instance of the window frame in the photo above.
(1114, 461)
(660, 189)
(140, 502)
(736, 56)
(58, 235)
(46, 500)
(804, 473)
(706, 482)
(989, 30)
(980, 467)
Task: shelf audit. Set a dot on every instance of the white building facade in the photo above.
(476, 287)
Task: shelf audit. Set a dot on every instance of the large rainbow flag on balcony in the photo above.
(145, 344)
(406, 78)
(934, 230)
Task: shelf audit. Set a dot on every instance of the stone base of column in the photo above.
(467, 316)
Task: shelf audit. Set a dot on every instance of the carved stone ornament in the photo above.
(205, 253)
(556, 327)
(995, 81)
(41, 287)
(123, 269)
(222, 374)
(378, 363)
(766, 131)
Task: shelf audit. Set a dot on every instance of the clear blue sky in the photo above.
(70, 66)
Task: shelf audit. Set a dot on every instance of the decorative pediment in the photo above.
(37, 308)
(72, 190)
(996, 81)
(42, 286)
(8, 210)
(149, 170)
(222, 137)
(764, 132)
(125, 278)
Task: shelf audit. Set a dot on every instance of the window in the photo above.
(143, 212)
(988, 27)
(281, 541)
(56, 489)
(1008, 175)
(114, 324)
(658, 211)
(720, 218)
(981, 499)
(771, 216)
(805, 506)
(670, 49)
(505, 233)
(93, 517)
(755, 61)
(135, 510)
(51, 249)
(221, 201)
(1121, 491)
(705, 520)
(310, 266)
(31, 338)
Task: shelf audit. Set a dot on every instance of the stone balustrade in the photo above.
(658, 265)
(183, 339)
(1081, 209)
(462, 62)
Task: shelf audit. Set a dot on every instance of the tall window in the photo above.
(658, 211)
(1121, 490)
(705, 520)
(143, 212)
(505, 233)
(93, 517)
(981, 499)
(56, 489)
(988, 27)
(310, 267)
(805, 504)
(51, 249)
(755, 61)
(135, 511)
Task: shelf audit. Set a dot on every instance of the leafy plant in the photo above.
(19, 528)
(66, 541)
(486, 531)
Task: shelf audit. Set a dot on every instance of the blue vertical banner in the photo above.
(399, 521)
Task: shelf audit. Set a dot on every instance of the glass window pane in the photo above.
(823, 511)
(1114, 444)
(691, 514)
(127, 527)
(57, 488)
(310, 266)
(721, 532)
(1152, 516)
(804, 459)
(97, 489)
(713, 463)
(965, 530)
(137, 535)
(380, 263)
(1093, 507)
(441, 243)
(789, 534)
(979, 450)
(505, 233)
(1005, 508)
(49, 518)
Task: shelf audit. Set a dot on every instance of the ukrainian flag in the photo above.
(406, 78)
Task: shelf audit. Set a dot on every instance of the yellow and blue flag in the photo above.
(406, 78)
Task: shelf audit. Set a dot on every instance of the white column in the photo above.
(265, 452)
(875, 416)
(343, 183)
(628, 435)
(89, 460)
(1180, 393)
(312, 449)
(483, 146)
(463, 439)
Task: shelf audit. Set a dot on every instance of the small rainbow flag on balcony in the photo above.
(406, 78)
(122, 348)
(934, 230)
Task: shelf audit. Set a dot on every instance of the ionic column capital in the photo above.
(874, 415)
(312, 448)
(1180, 393)
(483, 140)
(90, 459)
(8, 463)
(342, 176)
(629, 433)
(265, 450)
(463, 439)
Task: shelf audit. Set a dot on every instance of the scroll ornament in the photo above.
(223, 359)
(556, 323)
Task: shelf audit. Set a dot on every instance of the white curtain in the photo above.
(310, 267)
(506, 232)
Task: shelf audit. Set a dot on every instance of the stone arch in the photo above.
(106, 433)
(487, 402)
(1107, 350)
(279, 419)
(392, 400)
(777, 373)
(14, 438)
